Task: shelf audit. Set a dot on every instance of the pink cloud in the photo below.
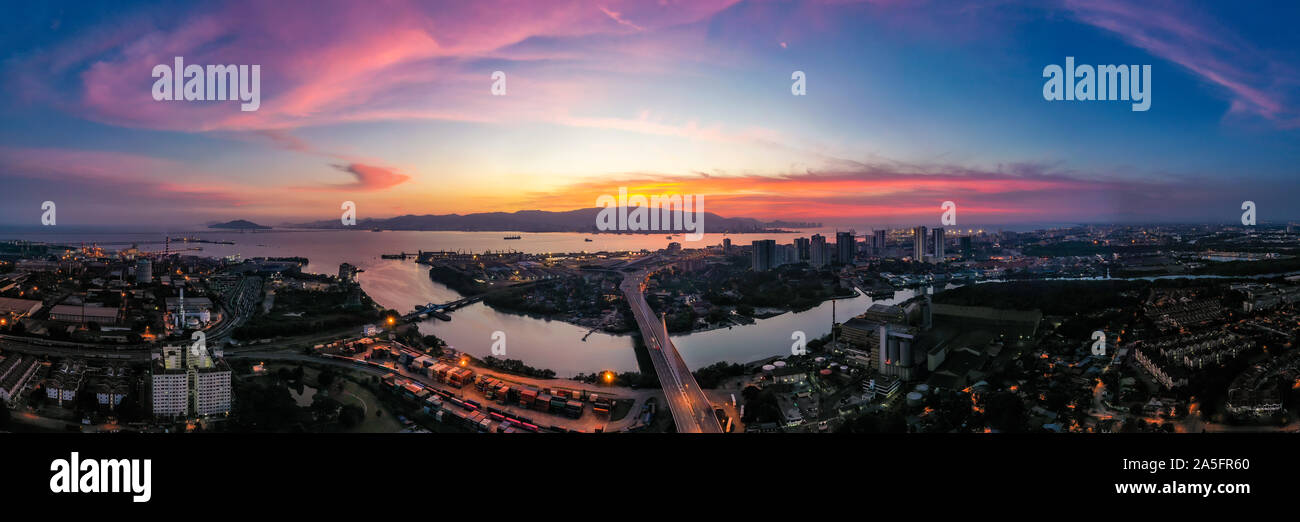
(330, 62)
(898, 192)
(370, 177)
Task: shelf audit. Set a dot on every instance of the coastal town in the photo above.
(1085, 329)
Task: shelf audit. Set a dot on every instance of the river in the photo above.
(538, 342)
(541, 343)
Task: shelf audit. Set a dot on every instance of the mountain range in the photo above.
(239, 224)
(581, 220)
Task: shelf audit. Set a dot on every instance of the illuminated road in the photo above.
(692, 412)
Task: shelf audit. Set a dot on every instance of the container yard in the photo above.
(489, 415)
(438, 386)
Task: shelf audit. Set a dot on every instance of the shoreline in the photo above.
(760, 314)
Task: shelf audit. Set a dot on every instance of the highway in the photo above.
(692, 412)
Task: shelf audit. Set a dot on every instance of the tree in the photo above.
(351, 416)
(326, 378)
(1006, 412)
(323, 407)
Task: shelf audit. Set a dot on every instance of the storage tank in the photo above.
(914, 399)
(905, 353)
(923, 389)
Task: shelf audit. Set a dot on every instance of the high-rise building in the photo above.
(789, 254)
(967, 252)
(804, 248)
(846, 247)
(763, 255)
(878, 242)
(817, 251)
(189, 382)
(348, 273)
(918, 243)
(937, 250)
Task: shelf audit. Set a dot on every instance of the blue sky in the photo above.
(908, 104)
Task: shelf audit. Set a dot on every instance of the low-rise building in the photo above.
(85, 314)
(15, 371)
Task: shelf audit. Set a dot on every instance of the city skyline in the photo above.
(394, 110)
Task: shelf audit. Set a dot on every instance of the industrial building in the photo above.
(85, 313)
(13, 309)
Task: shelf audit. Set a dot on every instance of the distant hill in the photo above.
(581, 220)
(239, 224)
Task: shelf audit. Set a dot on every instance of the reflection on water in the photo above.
(541, 343)
(559, 346)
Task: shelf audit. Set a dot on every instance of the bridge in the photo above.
(692, 412)
(440, 310)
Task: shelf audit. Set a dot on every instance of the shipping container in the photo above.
(573, 409)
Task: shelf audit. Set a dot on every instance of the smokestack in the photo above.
(180, 321)
(833, 337)
(926, 315)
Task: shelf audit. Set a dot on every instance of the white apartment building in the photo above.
(190, 382)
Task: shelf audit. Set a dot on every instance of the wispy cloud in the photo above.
(368, 178)
(1256, 83)
(899, 192)
(406, 60)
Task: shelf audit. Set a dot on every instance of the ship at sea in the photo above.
(514, 237)
(587, 239)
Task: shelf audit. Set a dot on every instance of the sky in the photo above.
(907, 104)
